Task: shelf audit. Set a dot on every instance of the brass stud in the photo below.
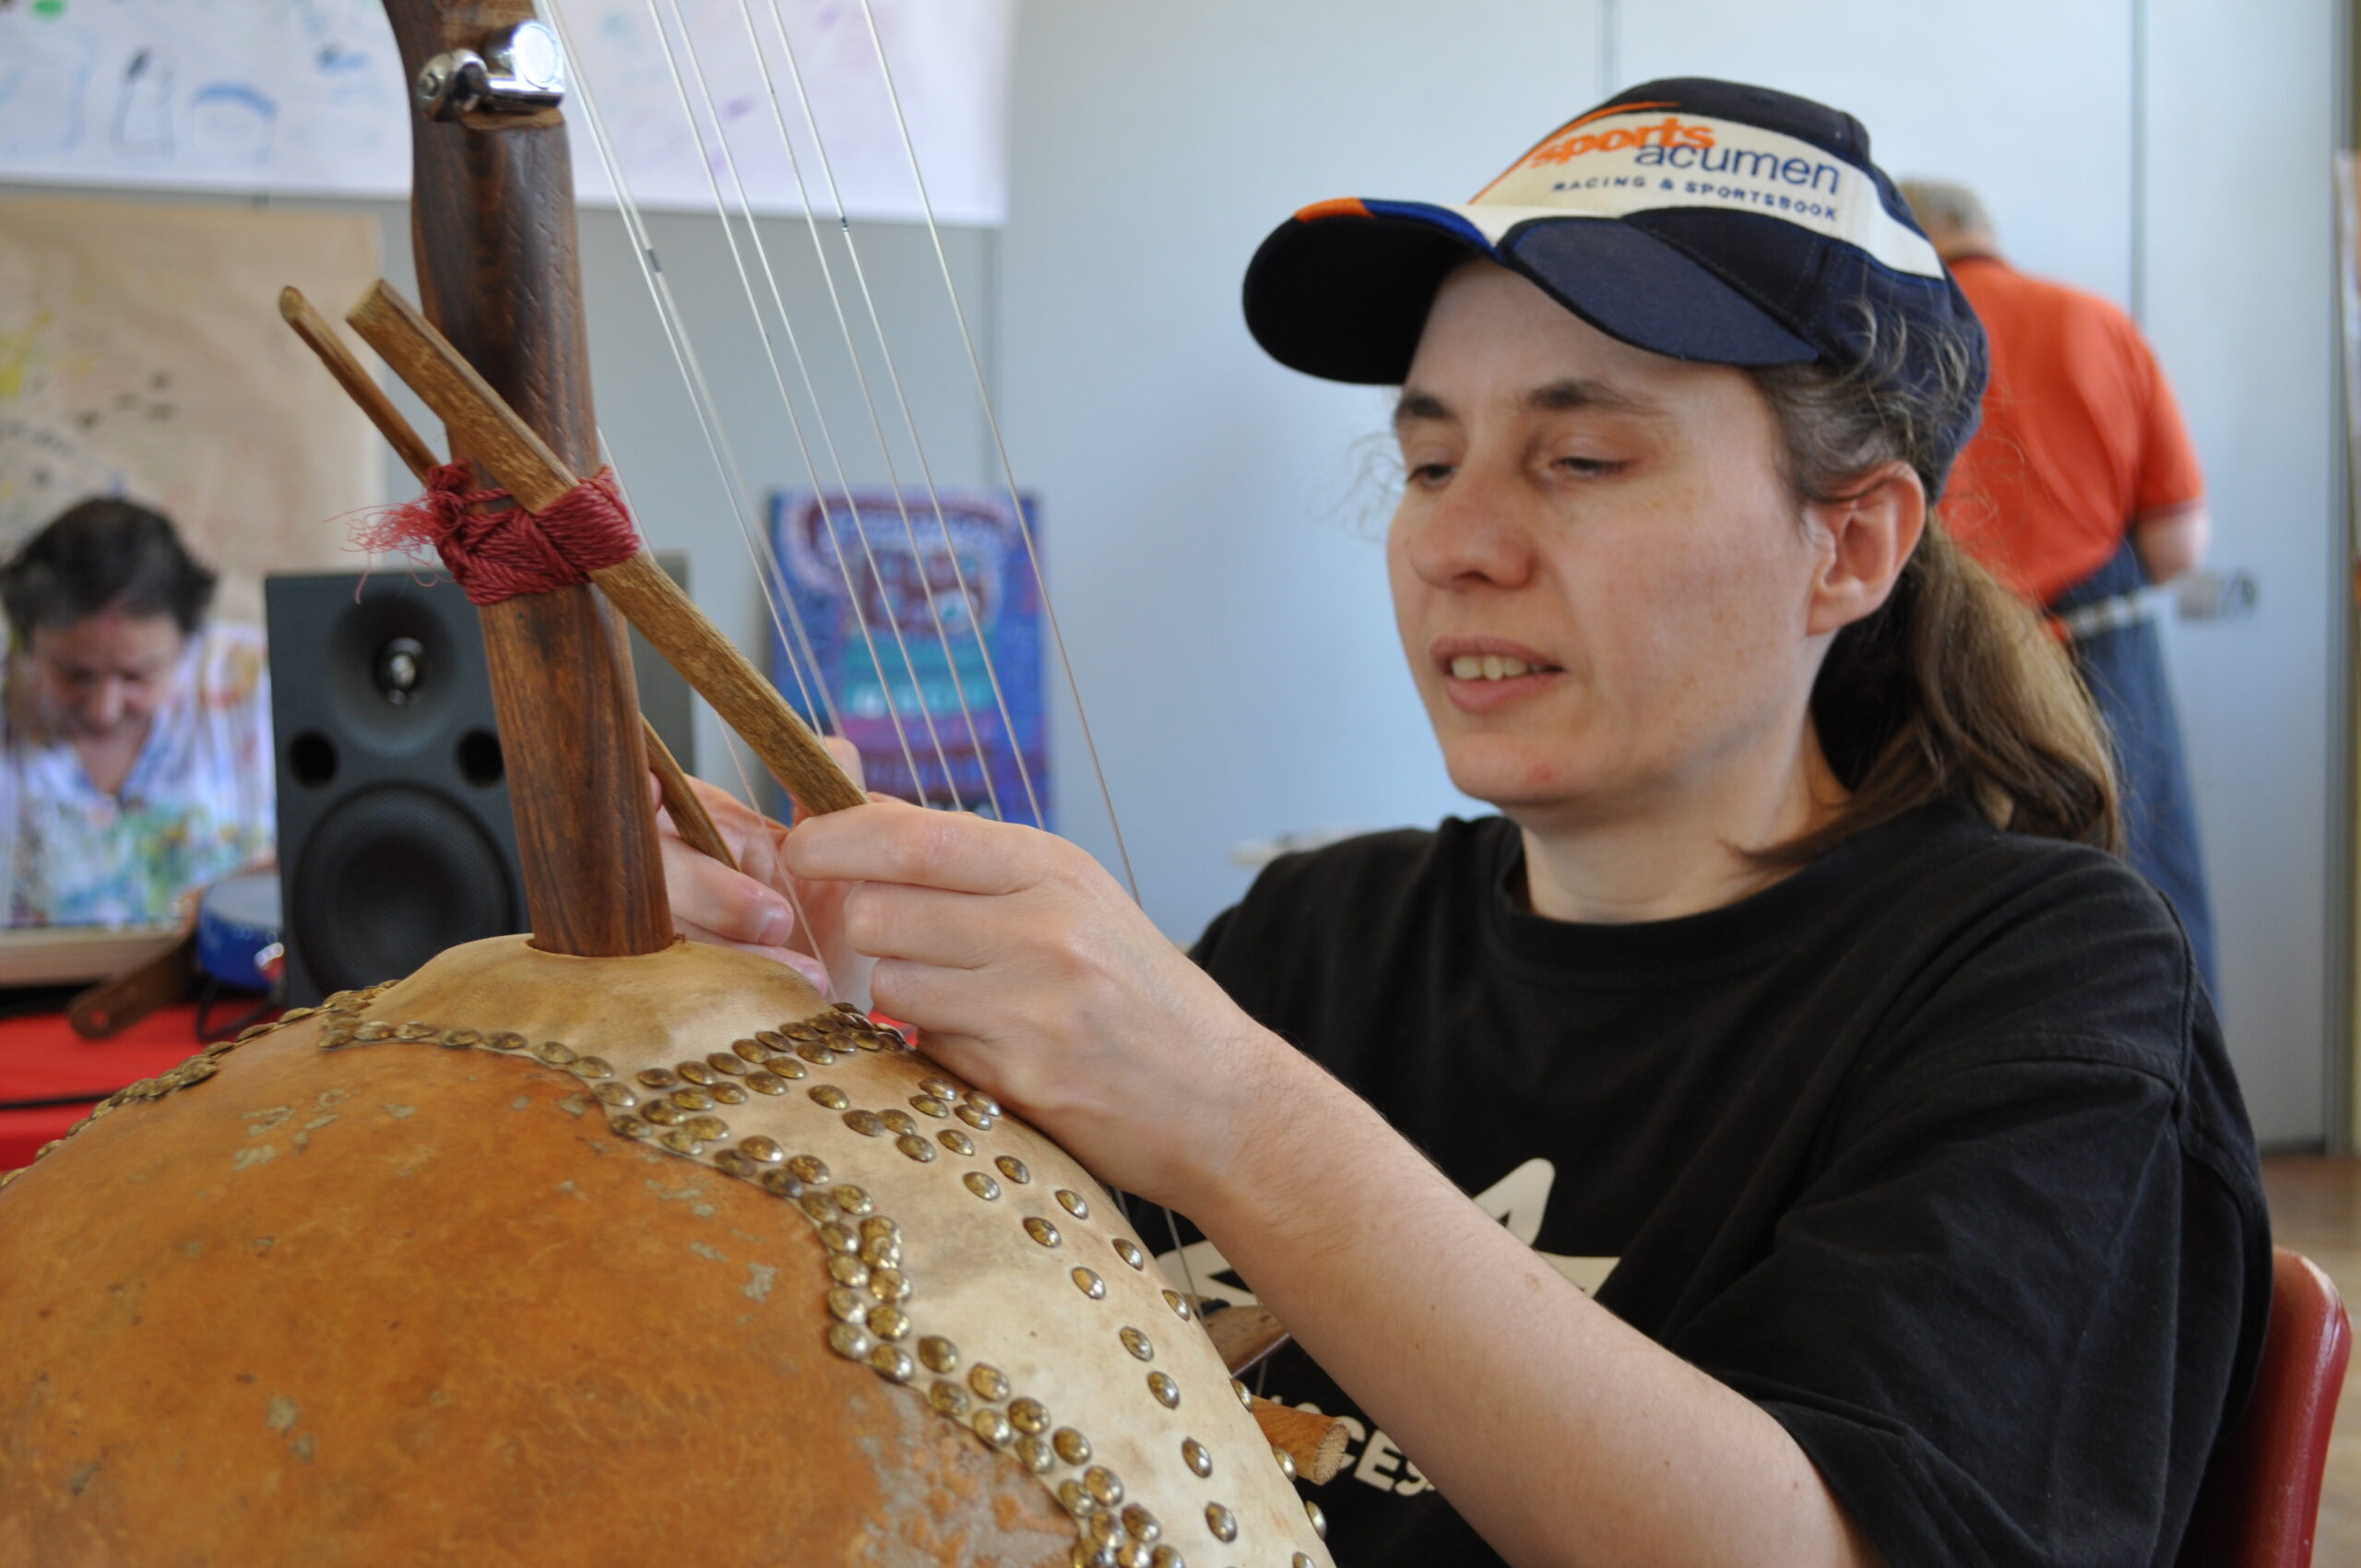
(664, 1114)
(697, 1072)
(808, 1168)
(727, 1093)
(1300, 1560)
(1106, 1488)
(992, 1426)
(557, 1053)
(839, 1238)
(981, 1185)
(1319, 1520)
(680, 1140)
(866, 1122)
(1073, 1203)
(657, 1078)
(818, 1205)
(750, 1051)
(1197, 1456)
(341, 999)
(1033, 1453)
(829, 1096)
(1071, 1446)
(1245, 1394)
(692, 1099)
(957, 1141)
(878, 1225)
(939, 1354)
(706, 1127)
(763, 1148)
(506, 1040)
(631, 1127)
(590, 1068)
(1221, 1521)
(813, 1052)
(786, 1066)
(1141, 1523)
(1029, 1415)
(1285, 1460)
(948, 1397)
(782, 1183)
(916, 1147)
(975, 1118)
(882, 1252)
(846, 1269)
(1138, 1344)
(928, 1105)
(1014, 1168)
(981, 1101)
(1089, 1284)
(462, 1039)
(940, 1087)
(1102, 1531)
(1075, 1498)
(723, 1062)
(1041, 1231)
(333, 1039)
(889, 1285)
(1132, 1554)
(374, 1030)
(729, 1163)
(893, 1363)
(770, 1039)
(987, 1381)
(1167, 1392)
(898, 1122)
(762, 1082)
(854, 1200)
(1165, 1557)
(848, 1305)
(415, 1030)
(1178, 1303)
(850, 1340)
(1128, 1250)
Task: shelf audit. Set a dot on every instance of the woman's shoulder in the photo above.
(231, 667)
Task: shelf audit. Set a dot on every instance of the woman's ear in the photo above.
(1870, 534)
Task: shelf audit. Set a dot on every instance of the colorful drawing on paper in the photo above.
(906, 658)
(306, 96)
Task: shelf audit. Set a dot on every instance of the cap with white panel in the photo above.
(1702, 219)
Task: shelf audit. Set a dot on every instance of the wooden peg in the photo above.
(689, 815)
(1316, 1443)
(358, 383)
(649, 599)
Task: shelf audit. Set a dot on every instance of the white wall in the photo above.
(1224, 597)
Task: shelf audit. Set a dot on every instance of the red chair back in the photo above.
(2262, 1497)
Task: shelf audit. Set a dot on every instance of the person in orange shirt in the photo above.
(2081, 491)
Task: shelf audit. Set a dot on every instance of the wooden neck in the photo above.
(492, 228)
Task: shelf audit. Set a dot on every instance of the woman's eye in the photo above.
(1429, 473)
(1590, 466)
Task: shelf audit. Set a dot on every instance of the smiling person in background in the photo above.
(135, 758)
(1783, 1134)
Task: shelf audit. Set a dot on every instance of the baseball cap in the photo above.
(1702, 219)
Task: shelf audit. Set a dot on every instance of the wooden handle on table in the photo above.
(649, 600)
(116, 1002)
(1314, 1441)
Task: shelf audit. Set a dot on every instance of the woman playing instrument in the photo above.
(136, 762)
(1791, 1001)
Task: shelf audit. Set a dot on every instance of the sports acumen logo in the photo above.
(1669, 132)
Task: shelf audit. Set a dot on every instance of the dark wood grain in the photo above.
(491, 215)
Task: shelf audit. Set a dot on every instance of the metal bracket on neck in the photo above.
(521, 71)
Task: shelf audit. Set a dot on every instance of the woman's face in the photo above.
(1602, 582)
(103, 677)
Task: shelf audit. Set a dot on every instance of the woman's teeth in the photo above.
(1489, 667)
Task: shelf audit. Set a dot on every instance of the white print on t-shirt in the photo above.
(1517, 1200)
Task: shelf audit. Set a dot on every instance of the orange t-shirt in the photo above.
(2080, 433)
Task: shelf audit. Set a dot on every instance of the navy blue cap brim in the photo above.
(1344, 294)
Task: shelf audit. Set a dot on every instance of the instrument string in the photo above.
(893, 621)
(999, 446)
(877, 325)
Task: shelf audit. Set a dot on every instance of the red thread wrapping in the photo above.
(499, 554)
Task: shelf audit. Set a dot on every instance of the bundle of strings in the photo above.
(501, 554)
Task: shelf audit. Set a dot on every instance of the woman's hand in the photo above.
(1030, 972)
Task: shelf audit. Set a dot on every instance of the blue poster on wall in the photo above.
(914, 630)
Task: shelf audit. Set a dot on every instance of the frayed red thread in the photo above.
(500, 554)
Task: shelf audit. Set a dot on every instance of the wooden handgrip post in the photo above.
(1314, 1441)
(650, 600)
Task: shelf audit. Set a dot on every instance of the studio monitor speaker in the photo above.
(394, 835)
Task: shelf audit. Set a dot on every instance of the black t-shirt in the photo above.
(1931, 1149)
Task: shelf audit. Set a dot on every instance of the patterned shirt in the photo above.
(197, 803)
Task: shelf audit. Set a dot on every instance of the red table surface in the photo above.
(42, 1058)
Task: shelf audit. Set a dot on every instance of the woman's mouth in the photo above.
(1480, 676)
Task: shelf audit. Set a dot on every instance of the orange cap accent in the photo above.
(1343, 206)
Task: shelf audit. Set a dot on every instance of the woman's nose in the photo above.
(1473, 533)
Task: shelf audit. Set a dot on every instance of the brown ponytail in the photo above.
(1953, 688)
